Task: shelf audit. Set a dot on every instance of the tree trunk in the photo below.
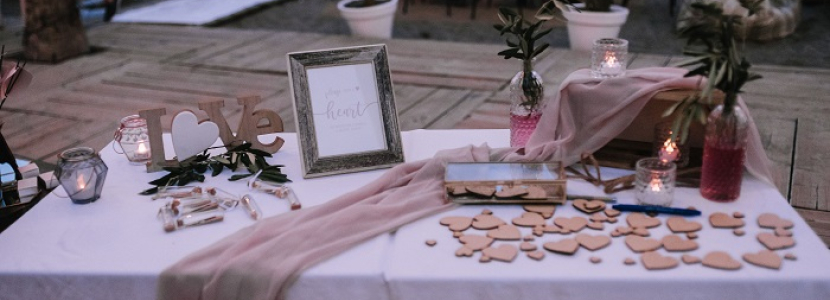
(53, 30)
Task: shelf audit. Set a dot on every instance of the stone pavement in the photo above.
(437, 85)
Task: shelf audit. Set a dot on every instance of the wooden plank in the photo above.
(430, 109)
(407, 96)
(819, 221)
(264, 53)
(811, 176)
(641, 60)
(778, 137)
(490, 115)
(460, 111)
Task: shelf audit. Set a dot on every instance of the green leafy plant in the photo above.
(522, 38)
(364, 3)
(716, 56)
(551, 8)
(194, 168)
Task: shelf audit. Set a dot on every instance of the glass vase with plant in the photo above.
(527, 95)
(718, 58)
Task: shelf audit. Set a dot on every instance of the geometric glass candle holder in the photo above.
(81, 172)
(132, 137)
(609, 58)
(655, 181)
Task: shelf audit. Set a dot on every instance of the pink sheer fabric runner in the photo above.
(261, 261)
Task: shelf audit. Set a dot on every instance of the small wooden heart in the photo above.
(596, 226)
(464, 251)
(457, 190)
(675, 243)
(722, 220)
(527, 246)
(642, 244)
(504, 252)
(624, 230)
(457, 223)
(589, 207)
(573, 224)
(511, 191)
(690, 259)
(721, 260)
(475, 242)
(536, 255)
(680, 224)
(764, 258)
(770, 220)
(565, 246)
(612, 213)
(599, 217)
(655, 261)
(546, 210)
(535, 192)
(593, 242)
(190, 137)
(783, 232)
(529, 219)
(482, 190)
(552, 229)
(629, 261)
(505, 232)
(639, 220)
(485, 222)
(773, 242)
(641, 231)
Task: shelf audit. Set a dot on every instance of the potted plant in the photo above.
(527, 95)
(587, 21)
(717, 57)
(369, 18)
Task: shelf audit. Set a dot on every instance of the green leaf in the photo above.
(540, 49)
(542, 33)
(217, 169)
(258, 152)
(149, 191)
(236, 177)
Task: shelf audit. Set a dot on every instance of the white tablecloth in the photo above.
(115, 248)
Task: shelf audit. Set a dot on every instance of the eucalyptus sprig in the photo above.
(242, 156)
(521, 40)
(711, 42)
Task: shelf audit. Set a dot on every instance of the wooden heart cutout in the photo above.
(655, 261)
(457, 223)
(639, 220)
(599, 217)
(565, 246)
(464, 251)
(527, 246)
(783, 232)
(504, 252)
(773, 242)
(596, 226)
(191, 137)
(529, 219)
(593, 242)
(680, 224)
(505, 232)
(571, 224)
(475, 242)
(690, 259)
(612, 213)
(545, 210)
(641, 231)
(675, 243)
(722, 220)
(511, 191)
(589, 206)
(536, 255)
(535, 193)
(553, 229)
(764, 258)
(624, 230)
(457, 190)
(486, 222)
(770, 220)
(721, 260)
(642, 244)
(481, 190)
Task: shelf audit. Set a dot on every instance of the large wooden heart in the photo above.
(191, 137)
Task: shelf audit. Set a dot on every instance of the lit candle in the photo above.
(610, 65)
(669, 151)
(142, 149)
(656, 185)
(81, 182)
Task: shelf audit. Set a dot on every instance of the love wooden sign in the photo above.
(253, 124)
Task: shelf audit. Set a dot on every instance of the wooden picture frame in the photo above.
(344, 108)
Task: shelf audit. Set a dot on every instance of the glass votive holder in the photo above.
(609, 58)
(132, 138)
(665, 149)
(654, 184)
(81, 172)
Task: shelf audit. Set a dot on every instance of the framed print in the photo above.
(344, 109)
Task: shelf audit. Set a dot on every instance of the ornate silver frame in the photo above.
(312, 164)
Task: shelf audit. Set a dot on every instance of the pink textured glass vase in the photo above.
(724, 152)
(527, 100)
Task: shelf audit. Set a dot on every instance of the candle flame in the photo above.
(81, 182)
(669, 146)
(610, 59)
(655, 184)
(142, 149)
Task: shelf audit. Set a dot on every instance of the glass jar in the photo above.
(132, 138)
(724, 152)
(655, 181)
(81, 172)
(609, 58)
(527, 100)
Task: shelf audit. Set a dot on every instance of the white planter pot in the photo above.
(375, 21)
(587, 26)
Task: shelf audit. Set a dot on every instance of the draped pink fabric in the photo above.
(261, 261)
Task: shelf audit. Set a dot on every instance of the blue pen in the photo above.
(657, 209)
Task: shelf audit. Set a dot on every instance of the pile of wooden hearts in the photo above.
(530, 192)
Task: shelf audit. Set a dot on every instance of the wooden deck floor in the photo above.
(437, 85)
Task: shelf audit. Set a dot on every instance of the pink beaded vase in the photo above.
(724, 152)
(527, 101)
